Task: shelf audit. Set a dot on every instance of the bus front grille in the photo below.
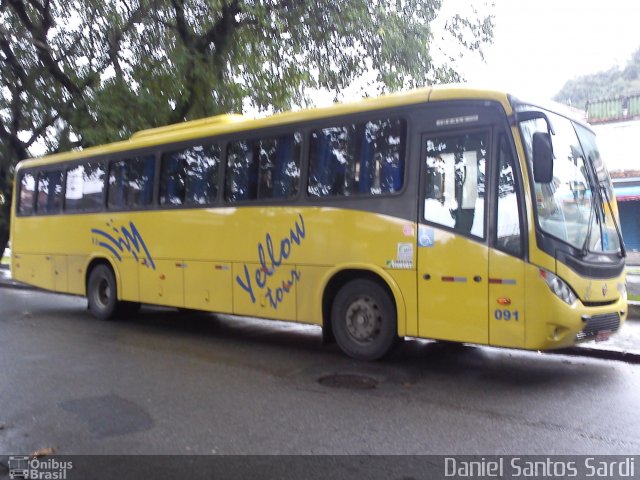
(609, 322)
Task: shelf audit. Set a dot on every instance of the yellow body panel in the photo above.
(507, 312)
(162, 285)
(76, 268)
(556, 322)
(208, 286)
(223, 259)
(453, 288)
(59, 270)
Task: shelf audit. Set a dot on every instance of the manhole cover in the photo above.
(357, 382)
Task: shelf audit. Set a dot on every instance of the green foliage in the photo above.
(77, 73)
(602, 85)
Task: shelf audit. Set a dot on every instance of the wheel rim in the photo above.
(364, 319)
(103, 293)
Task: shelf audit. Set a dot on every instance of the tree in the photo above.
(611, 83)
(77, 73)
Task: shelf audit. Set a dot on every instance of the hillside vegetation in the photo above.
(611, 83)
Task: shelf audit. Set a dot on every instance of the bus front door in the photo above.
(453, 257)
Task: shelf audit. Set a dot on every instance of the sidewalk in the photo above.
(624, 345)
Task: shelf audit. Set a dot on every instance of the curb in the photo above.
(17, 285)
(619, 355)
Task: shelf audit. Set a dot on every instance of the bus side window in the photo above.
(242, 172)
(140, 181)
(508, 237)
(49, 192)
(27, 194)
(85, 187)
(279, 174)
(357, 159)
(190, 176)
(264, 168)
(202, 164)
(454, 187)
(43, 192)
(117, 178)
(172, 178)
(131, 182)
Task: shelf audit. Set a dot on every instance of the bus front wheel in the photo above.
(363, 318)
(102, 292)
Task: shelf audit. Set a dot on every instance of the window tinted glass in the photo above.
(131, 182)
(85, 187)
(455, 169)
(508, 234)
(190, 176)
(49, 192)
(357, 159)
(27, 194)
(263, 168)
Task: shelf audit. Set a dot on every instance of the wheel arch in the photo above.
(92, 263)
(336, 278)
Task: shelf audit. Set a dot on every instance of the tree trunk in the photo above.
(5, 218)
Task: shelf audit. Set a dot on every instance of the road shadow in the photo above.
(273, 344)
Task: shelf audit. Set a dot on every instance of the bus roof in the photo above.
(223, 124)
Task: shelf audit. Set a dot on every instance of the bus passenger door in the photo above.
(506, 259)
(453, 257)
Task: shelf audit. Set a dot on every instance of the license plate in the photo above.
(603, 336)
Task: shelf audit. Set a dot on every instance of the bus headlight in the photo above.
(559, 287)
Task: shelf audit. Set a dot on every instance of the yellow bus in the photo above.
(444, 213)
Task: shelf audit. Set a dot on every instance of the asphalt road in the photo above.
(163, 382)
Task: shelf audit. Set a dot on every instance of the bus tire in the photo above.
(102, 292)
(364, 320)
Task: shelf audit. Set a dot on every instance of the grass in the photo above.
(5, 261)
(635, 298)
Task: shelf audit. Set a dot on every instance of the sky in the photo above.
(541, 44)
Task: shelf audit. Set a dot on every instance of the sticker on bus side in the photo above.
(121, 240)
(426, 236)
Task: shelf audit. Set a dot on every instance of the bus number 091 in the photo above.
(506, 314)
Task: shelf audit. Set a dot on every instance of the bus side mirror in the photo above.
(542, 158)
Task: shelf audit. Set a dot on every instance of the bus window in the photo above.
(49, 192)
(27, 194)
(508, 236)
(190, 176)
(264, 168)
(279, 167)
(357, 159)
(455, 171)
(242, 173)
(131, 182)
(85, 187)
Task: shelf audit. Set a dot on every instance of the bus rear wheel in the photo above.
(102, 292)
(363, 319)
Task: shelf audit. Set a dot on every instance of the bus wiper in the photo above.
(622, 253)
(585, 245)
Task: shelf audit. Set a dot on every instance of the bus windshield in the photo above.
(575, 206)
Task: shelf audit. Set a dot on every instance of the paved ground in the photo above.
(162, 382)
(624, 345)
